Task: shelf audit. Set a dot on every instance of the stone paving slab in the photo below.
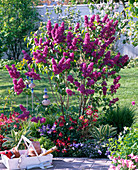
(75, 164)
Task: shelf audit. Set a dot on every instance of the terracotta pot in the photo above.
(37, 147)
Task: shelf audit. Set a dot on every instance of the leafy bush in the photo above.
(119, 117)
(15, 24)
(11, 140)
(123, 151)
(126, 143)
(133, 63)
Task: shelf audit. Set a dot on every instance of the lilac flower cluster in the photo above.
(88, 45)
(27, 57)
(63, 65)
(111, 62)
(85, 91)
(113, 101)
(37, 119)
(33, 75)
(13, 71)
(86, 71)
(104, 88)
(91, 23)
(77, 27)
(109, 29)
(69, 92)
(18, 85)
(114, 87)
(121, 62)
(40, 56)
(25, 113)
(58, 33)
(81, 87)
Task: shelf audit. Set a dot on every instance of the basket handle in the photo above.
(28, 146)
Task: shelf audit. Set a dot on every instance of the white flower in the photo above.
(129, 33)
(135, 4)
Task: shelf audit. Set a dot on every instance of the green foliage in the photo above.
(126, 144)
(11, 140)
(133, 63)
(119, 117)
(103, 132)
(4, 62)
(17, 19)
(133, 7)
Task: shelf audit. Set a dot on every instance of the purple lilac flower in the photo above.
(77, 84)
(87, 38)
(77, 26)
(92, 18)
(90, 82)
(69, 92)
(34, 119)
(13, 71)
(33, 75)
(42, 120)
(70, 78)
(25, 113)
(105, 18)
(18, 85)
(86, 21)
(27, 57)
(104, 90)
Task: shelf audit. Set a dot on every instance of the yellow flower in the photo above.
(85, 120)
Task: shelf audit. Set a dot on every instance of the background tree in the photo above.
(18, 18)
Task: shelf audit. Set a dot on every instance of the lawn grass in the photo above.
(127, 93)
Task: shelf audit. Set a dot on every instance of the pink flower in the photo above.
(133, 103)
(42, 120)
(15, 126)
(60, 134)
(89, 112)
(112, 167)
(71, 128)
(81, 117)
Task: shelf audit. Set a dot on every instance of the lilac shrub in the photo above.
(79, 62)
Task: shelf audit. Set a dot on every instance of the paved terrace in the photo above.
(75, 163)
